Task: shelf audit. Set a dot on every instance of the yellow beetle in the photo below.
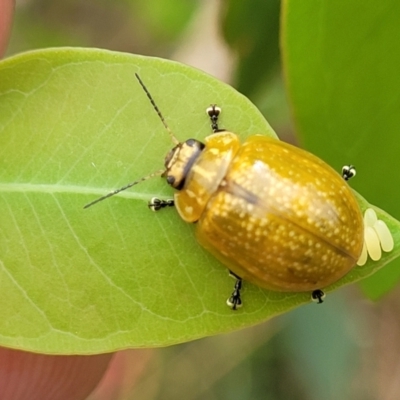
(275, 215)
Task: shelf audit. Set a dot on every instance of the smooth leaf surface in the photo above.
(74, 124)
(341, 64)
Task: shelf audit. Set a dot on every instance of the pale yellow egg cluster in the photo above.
(377, 237)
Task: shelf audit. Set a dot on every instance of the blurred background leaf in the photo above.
(342, 76)
(139, 26)
(252, 31)
(290, 357)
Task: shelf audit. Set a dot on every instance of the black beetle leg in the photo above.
(318, 296)
(156, 204)
(235, 300)
(348, 172)
(213, 112)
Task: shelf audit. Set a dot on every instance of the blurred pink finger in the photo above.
(32, 376)
(6, 13)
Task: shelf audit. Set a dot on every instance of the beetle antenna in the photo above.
(157, 173)
(129, 185)
(174, 139)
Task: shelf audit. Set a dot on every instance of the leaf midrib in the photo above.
(58, 188)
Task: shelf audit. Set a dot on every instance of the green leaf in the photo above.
(252, 29)
(165, 19)
(74, 124)
(341, 66)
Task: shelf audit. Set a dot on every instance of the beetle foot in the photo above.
(235, 300)
(318, 296)
(156, 204)
(348, 172)
(213, 112)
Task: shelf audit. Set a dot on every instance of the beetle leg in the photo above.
(348, 172)
(233, 275)
(156, 204)
(213, 112)
(235, 300)
(318, 296)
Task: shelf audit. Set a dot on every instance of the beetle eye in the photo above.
(191, 142)
(170, 179)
